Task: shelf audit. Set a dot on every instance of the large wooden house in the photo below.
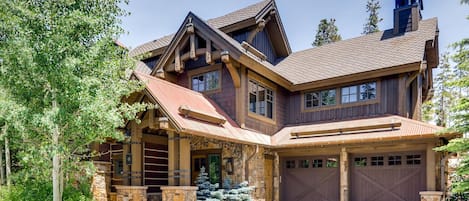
(336, 122)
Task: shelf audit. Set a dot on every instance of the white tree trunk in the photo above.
(7, 160)
(56, 162)
(2, 170)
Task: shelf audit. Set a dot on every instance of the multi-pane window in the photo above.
(304, 164)
(320, 98)
(290, 164)
(377, 161)
(414, 159)
(360, 161)
(362, 92)
(206, 81)
(394, 160)
(332, 162)
(261, 99)
(317, 163)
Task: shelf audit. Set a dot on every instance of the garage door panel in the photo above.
(308, 178)
(393, 176)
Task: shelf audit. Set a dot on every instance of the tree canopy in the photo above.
(327, 32)
(61, 66)
(371, 25)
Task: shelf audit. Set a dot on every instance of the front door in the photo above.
(211, 161)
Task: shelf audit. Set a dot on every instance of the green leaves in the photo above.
(371, 25)
(327, 33)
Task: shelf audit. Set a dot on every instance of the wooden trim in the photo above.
(339, 104)
(263, 81)
(233, 69)
(206, 69)
(253, 50)
(348, 128)
(358, 77)
(241, 98)
(196, 114)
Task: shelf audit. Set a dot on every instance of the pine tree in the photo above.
(327, 33)
(461, 115)
(205, 188)
(371, 25)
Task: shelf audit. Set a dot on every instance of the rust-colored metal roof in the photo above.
(171, 96)
(409, 129)
(229, 19)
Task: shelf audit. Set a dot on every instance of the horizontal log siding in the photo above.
(387, 105)
(224, 98)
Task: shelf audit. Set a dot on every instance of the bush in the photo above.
(37, 190)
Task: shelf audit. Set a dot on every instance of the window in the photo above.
(317, 163)
(304, 164)
(394, 160)
(206, 81)
(261, 99)
(211, 161)
(360, 161)
(362, 92)
(414, 159)
(331, 163)
(290, 164)
(377, 161)
(321, 98)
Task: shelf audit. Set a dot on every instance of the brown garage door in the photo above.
(310, 178)
(391, 176)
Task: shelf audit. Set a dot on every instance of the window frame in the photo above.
(358, 92)
(319, 97)
(267, 85)
(203, 71)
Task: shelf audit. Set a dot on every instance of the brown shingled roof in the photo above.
(231, 18)
(366, 53)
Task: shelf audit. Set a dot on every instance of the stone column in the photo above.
(344, 175)
(134, 193)
(179, 193)
(431, 196)
(100, 185)
(136, 150)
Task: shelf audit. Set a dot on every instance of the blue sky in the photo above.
(152, 19)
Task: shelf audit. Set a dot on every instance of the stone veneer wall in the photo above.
(240, 154)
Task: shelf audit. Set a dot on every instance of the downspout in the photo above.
(246, 167)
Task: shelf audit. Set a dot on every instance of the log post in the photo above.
(136, 150)
(184, 161)
(344, 175)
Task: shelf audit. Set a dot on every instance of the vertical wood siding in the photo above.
(225, 98)
(386, 105)
(261, 42)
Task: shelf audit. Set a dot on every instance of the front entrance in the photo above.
(310, 178)
(390, 176)
(211, 161)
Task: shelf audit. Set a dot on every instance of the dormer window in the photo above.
(208, 81)
(362, 92)
(320, 98)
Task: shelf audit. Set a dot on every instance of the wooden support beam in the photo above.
(136, 150)
(208, 52)
(184, 161)
(240, 94)
(259, 28)
(431, 167)
(344, 175)
(347, 128)
(192, 46)
(225, 57)
(401, 101)
(411, 78)
(173, 158)
(177, 60)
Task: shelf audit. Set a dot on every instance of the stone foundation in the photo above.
(134, 193)
(179, 193)
(430, 196)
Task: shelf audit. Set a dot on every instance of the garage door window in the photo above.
(394, 160)
(414, 159)
(304, 164)
(290, 164)
(377, 161)
(332, 163)
(360, 161)
(317, 163)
